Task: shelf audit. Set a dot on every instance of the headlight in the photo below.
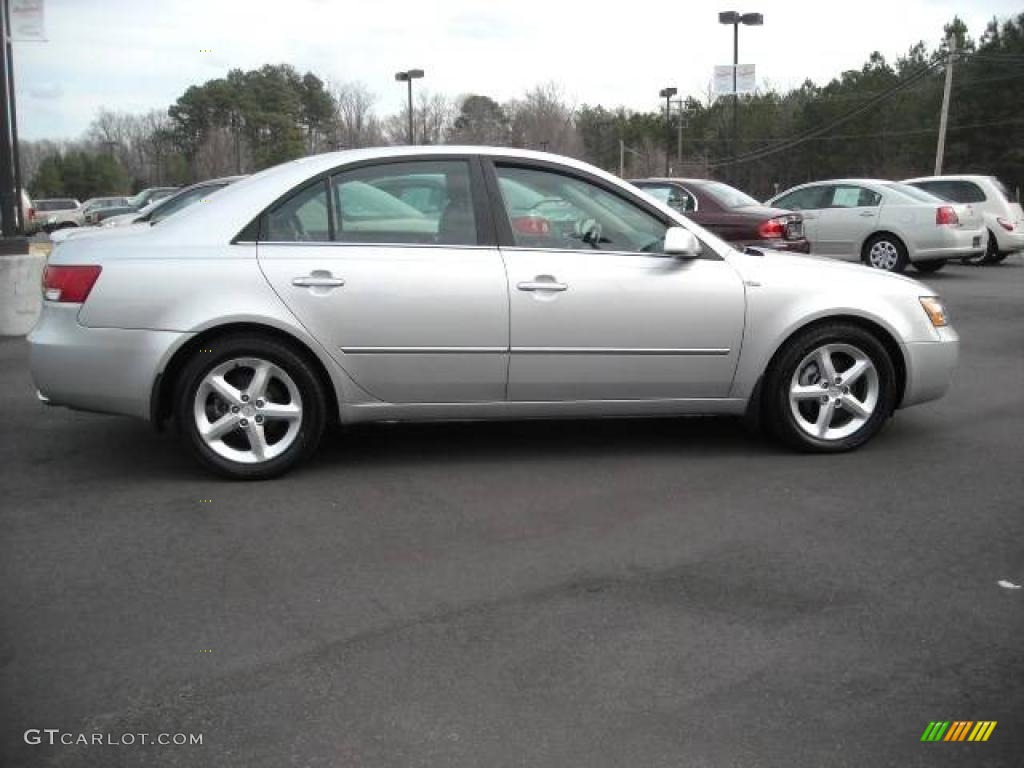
(52, 220)
(935, 310)
(109, 223)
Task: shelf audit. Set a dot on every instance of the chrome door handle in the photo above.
(542, 285)
(317, 281)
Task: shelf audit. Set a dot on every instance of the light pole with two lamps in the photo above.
(735, 18)
(667, 94)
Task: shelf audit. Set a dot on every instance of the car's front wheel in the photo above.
(830, 389)
(250, 407)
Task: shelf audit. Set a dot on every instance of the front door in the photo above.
(597, 311)
(388, 266)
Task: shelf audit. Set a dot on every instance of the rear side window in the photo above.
(426, 202)
(302, 218)
(849, 196)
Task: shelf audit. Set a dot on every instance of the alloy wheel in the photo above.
(834, 391)
(248, 410)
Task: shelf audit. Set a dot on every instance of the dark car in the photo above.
(733, 215)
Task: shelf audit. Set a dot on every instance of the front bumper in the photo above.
(930, 367)
(110, 370)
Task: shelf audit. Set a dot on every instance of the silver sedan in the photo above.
(467, 283)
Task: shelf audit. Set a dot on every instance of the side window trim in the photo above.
(479, 197)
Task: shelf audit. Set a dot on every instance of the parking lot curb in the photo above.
(20, 296)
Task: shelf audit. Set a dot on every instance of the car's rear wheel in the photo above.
(830, 389)
(927, 267)
(250, 407)
(885, 252)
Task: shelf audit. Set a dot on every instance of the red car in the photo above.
(734, 216)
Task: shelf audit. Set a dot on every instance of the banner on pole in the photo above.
(745, 81)
(27, 21)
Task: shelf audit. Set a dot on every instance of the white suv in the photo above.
(1003, 218)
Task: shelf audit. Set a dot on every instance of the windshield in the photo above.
(726, 196)
(55, 205)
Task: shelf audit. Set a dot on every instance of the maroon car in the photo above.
(734, 216)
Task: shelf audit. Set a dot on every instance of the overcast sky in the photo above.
(135, 55)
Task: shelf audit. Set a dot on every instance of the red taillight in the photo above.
(773, 228)
(31, 214)
(531, 225)
(945, 214)
(69, 284)
(1007, 225)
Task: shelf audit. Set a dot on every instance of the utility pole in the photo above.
(940, 150)
(622, 159)
(10, 197)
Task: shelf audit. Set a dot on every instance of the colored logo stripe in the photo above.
(958, 730)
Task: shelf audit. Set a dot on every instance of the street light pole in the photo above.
(735, 18)
(667, 94)
(940, 150)
(407, 77)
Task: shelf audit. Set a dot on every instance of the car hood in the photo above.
(818, 271)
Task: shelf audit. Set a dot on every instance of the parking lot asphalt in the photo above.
(615, 593)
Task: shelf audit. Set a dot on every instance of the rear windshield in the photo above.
(914, 193)
(726, 196)
(55, 205)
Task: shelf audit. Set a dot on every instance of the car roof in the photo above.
(241, 202)
(952, 177)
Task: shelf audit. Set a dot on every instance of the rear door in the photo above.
(412, 303)
(851, 216)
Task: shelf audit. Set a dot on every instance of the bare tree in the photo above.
(543, 119)
(356, 124)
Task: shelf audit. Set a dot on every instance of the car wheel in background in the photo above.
(885, 252)
(250, 407)
(927, 267)
(989, 256)
(830, 389)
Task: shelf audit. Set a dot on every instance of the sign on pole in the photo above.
(27, 21)
(745, 80)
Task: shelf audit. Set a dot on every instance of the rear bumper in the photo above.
(110, 370)
(952, 243)
(1010, 242)
(930, 367)
(791, 246)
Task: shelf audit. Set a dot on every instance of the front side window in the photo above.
(674, 197)
(805, 199)
(551, 210)
(302, 218)
(418, 202)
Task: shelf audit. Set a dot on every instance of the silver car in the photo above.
(885, 224)
(416, 283)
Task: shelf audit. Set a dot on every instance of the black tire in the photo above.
(293, 363)
(899, 264)
(778, 413)
(928, 267)
(999, 257)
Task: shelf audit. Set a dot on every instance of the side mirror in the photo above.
(682, 243)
